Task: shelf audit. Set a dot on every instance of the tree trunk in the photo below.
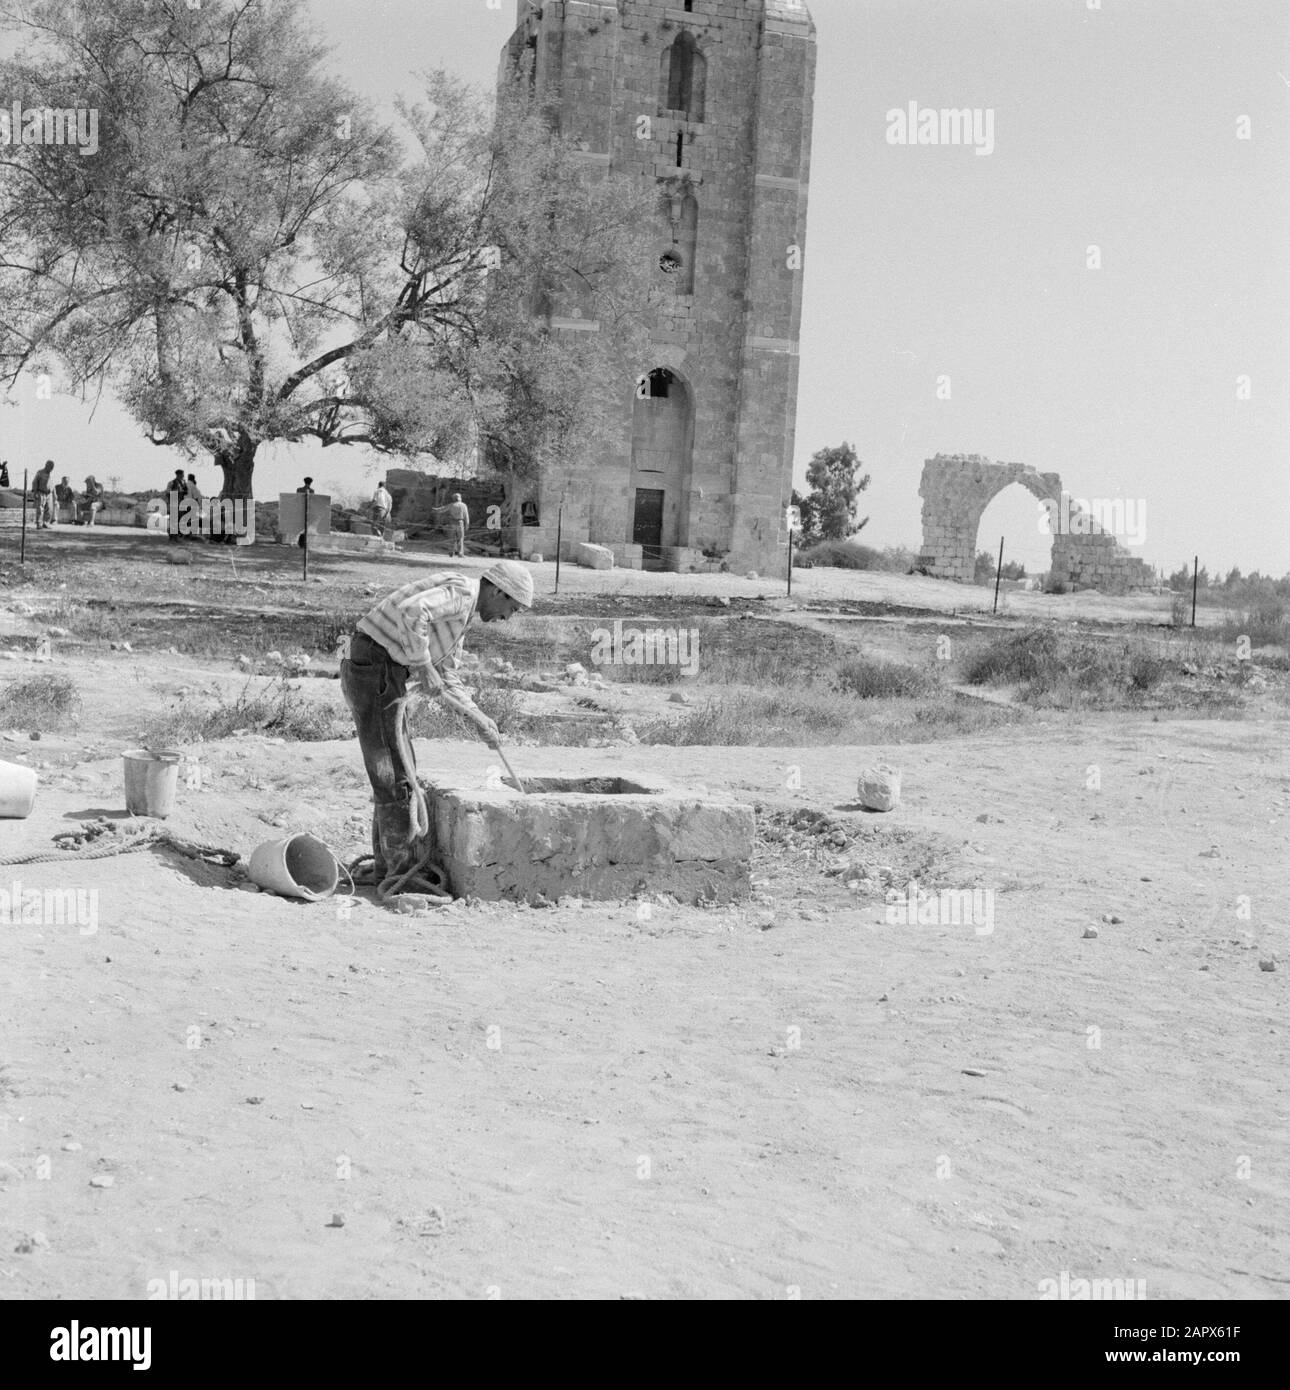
(237, 463)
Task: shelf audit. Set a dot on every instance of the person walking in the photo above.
(458, 520)
(65, 497)
(40, 486)
(416, 634)
(93, 498)
(382, 507)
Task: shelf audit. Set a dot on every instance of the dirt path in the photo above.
(582, 1102)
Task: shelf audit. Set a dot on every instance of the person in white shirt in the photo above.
(458, 520)
(382, 505)
(415, 634)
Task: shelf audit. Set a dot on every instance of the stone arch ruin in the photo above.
(957, 488)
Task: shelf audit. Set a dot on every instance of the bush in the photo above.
(870, 679)
(277, 708)
(40, 704)
(1147, 670)
(1044, 662)
(842, 555)
(1266, 623)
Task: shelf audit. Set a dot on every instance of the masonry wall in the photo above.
(957, 488)
(734, 340)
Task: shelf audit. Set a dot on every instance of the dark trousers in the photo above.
(375, 689)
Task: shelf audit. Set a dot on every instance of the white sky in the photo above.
(1115, 127)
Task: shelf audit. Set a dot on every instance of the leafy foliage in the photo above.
(836, 484)
(252, 255)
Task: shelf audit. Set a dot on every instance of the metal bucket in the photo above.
(300, 866)
(151, 780)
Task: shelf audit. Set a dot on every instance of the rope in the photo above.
(131, 842)
(425, 879)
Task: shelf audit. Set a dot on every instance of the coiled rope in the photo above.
(80, 845)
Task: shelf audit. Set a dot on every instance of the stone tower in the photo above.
(710, 103)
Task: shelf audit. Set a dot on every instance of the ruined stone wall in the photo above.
(745, 164)
(956, 489)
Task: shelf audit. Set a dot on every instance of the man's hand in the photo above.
(426, 679)
(488, 729)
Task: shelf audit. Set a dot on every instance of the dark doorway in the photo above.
(647, 526)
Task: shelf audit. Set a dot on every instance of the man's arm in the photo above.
(447, 686)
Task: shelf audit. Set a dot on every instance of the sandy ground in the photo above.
(769, 1101)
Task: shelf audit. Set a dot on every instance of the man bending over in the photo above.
(414, 637)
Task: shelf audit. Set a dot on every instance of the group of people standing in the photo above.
(60, 502)
(186, 518)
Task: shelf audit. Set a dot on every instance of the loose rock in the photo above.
(879, 788)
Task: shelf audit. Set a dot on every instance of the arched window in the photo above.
(684, 79)
(677, 261)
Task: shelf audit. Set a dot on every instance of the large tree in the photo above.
(251, 255)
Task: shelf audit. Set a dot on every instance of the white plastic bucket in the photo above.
(300, 866)
(151, 780)
(17, 791)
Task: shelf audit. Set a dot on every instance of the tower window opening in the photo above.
(660, 384)
(683, 82)
(680, 150)
(532, 47)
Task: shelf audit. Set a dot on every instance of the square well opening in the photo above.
(582, 786)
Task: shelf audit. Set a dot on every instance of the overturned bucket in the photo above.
(300, 866)
(151, 780)
(17, 791)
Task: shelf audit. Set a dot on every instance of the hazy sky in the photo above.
(1115, 127)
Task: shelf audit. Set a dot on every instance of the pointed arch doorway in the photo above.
(662, 448)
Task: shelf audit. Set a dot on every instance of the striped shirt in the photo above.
(422, 626)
